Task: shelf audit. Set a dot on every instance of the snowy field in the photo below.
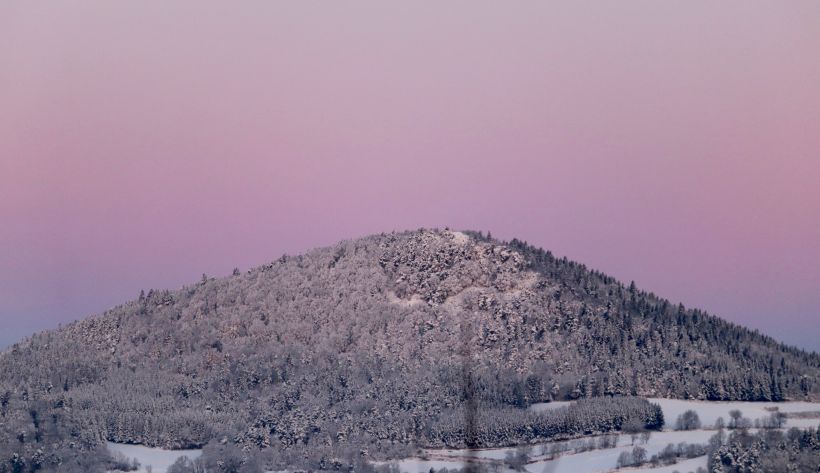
(593, 461)
(709, 411)
(682, 466)
(590, 461)
(546, 406)
(605, 460)
(157, 459)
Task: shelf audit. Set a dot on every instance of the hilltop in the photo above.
(382, 343)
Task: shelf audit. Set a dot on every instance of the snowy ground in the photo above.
(709, 411)
(684, 466)
(156, 458)
(545, 406)
(590, 461)
(605, 460)
(594, 461)
(599, 461)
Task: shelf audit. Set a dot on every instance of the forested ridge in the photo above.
(373, 347)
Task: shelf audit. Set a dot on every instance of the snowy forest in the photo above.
(373, 348)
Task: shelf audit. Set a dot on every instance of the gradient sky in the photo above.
(676, 144)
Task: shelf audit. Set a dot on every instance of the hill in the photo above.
(376, 346)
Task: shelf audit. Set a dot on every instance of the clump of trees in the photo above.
(775, 420)
(689, 420)
(554, 449)
(670, 455)
(769, 450)
(186, 465)
(119, 462)
(517, 459)
(635, 457)
(499, 427)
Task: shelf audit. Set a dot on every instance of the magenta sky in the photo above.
(673, 143)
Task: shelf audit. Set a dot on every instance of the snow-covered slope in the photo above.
(605, 460)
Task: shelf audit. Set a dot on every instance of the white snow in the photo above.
(709, 411)
(601, 461)
(594, 461)
(417, 465)
(157, 458)
(684, 466)
(604, 460)
(414, 300)
(460, 237)
(546, 406)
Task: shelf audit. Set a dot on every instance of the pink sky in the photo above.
(676, 144)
